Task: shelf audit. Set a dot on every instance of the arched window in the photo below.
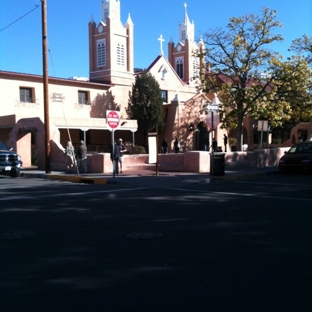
(101, 52)
(179, 67)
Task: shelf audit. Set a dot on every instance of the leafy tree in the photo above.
(145, 104)
(289, 98)
(240, 60)
(303, 46)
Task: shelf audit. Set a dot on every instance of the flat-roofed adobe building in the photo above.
(76, 109)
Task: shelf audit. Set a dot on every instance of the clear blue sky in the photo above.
(21, 45)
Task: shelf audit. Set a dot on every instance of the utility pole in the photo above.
(46, 86)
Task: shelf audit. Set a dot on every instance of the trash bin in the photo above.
(217, 164)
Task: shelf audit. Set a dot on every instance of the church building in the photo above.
(111, 47)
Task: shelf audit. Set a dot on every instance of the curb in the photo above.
(77, 179)
(103, 181)
(59, 177)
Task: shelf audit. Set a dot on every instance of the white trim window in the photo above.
(83, 97)
(26, 95)
(101, 52)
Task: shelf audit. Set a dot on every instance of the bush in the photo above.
(138, 150)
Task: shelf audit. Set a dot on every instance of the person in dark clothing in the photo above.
(176, 145)
(164, 146)
(81, 157)
(122, 151)
(214, 145)
(117, 154)
(225, 141)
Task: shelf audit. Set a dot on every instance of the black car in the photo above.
(10, 162)
(298, 158)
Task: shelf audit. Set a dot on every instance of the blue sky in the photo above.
(21, 45)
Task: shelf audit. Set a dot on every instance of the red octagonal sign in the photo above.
(112, 119)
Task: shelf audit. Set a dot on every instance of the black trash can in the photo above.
(217, 164)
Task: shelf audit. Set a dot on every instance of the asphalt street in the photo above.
(165, 243)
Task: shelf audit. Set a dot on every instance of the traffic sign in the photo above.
(212, 107)
(113, 119)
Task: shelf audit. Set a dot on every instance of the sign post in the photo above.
(262, 126)
(212, 108)
(113, 123)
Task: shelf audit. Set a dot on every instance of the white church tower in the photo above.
(181, 55)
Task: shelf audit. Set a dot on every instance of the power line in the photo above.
(36, 7)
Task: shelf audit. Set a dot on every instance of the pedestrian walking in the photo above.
(70, 157)
(81, 156)
(225, 141)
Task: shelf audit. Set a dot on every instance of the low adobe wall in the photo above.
(254, 159)
(193, 161)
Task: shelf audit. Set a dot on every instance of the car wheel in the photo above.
(14, 173)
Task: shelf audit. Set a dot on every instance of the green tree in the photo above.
(303, 46)
(239, 59)
(292, 86)
(145, 104)
(289, 97)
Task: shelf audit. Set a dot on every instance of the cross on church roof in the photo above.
(185, 5)
(161, 40)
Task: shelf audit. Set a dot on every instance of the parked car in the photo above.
(298, 158)
(10, 162)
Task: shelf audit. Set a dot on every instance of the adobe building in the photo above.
(77, 106)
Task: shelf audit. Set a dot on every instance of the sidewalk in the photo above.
(145, 176)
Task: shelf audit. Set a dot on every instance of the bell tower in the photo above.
(181, 55)
(111, 47)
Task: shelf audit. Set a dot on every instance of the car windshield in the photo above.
(3, 146)
(301, 148)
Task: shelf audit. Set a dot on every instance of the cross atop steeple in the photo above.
(161, 40)
(186, 29)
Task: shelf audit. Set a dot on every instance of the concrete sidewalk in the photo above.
(145, 176)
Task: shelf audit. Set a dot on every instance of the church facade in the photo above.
(77, 107)
(111, 47)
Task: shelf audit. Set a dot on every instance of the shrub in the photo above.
(138, 150)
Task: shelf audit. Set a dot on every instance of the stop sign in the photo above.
(113, 119)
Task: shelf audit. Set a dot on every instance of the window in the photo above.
(120, 54)
(101, 52)
(83, 97)
(26, 95)
(179, 67)
(105, 14)
(163, 73)
(183, 35)
(164, 95)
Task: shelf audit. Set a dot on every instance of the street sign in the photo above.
(212, 107)
(113, 119)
